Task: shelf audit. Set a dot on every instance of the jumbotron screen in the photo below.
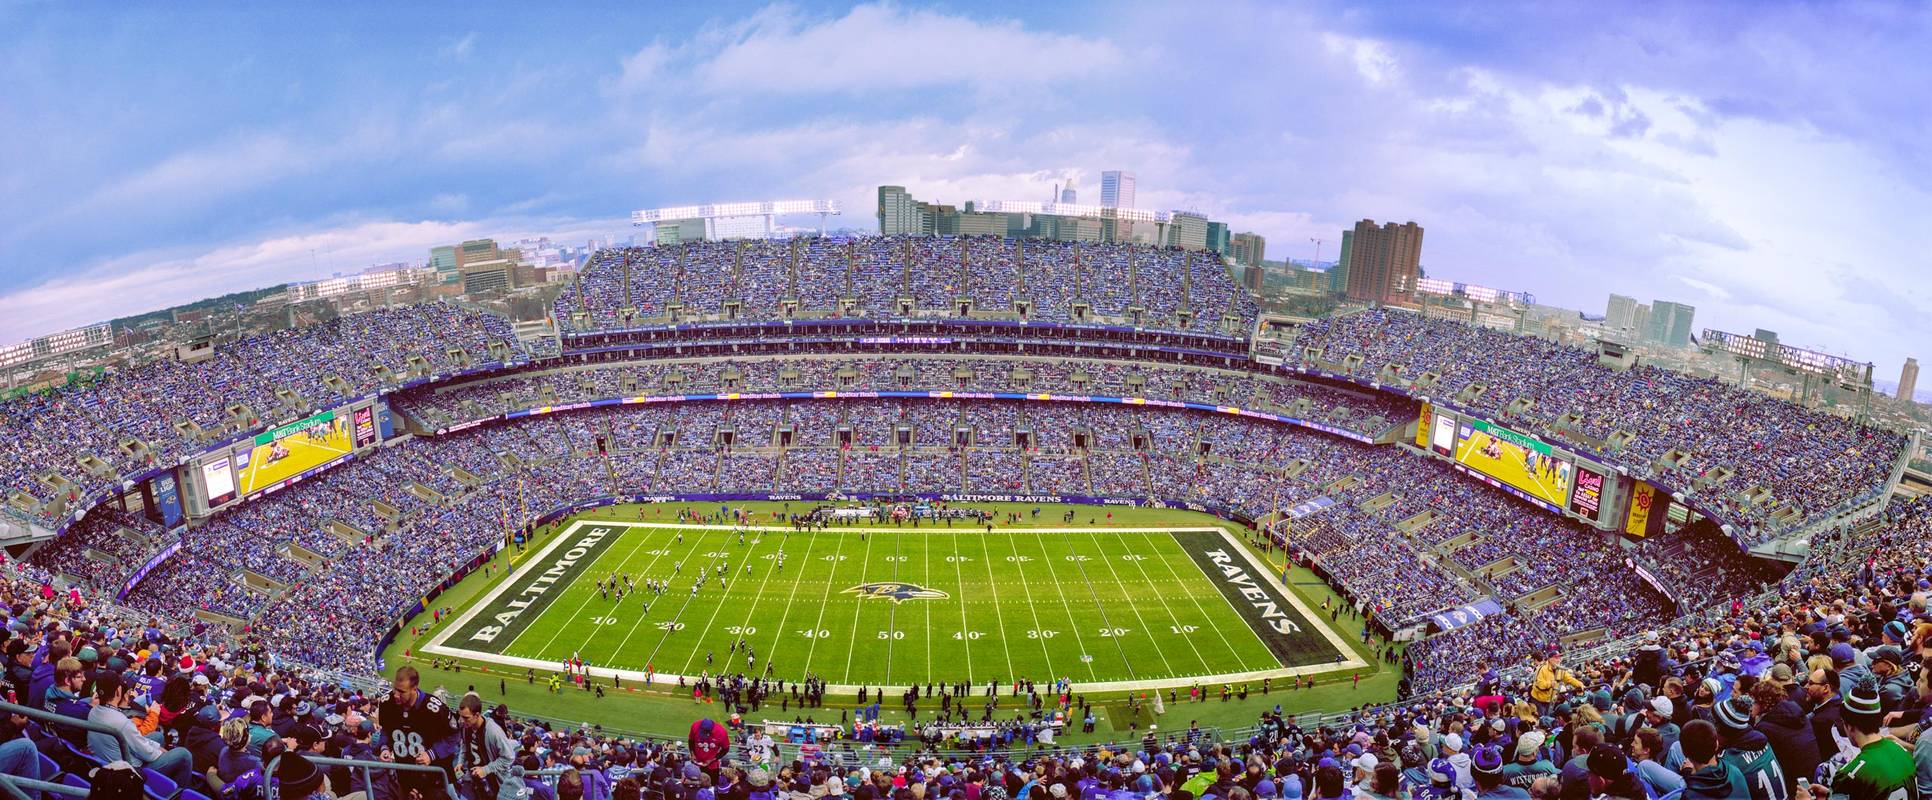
(291, 450)
(1515, 459)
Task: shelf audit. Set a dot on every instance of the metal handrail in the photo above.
(268, 771)
(11, 785)
(52, 718)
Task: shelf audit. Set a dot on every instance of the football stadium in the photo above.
(986, 500)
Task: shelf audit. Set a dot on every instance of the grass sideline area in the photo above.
(665, 710)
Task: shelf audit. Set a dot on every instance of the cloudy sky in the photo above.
(1769, 164)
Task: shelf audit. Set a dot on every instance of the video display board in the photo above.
(218, 479)
(290, 450)
(1515, 459)
(1587, 500)
(1444, 439)
(365, 425)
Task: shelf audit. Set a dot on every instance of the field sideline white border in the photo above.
(436, 646)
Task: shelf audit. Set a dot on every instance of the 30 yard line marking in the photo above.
(1039, 633)
(1053, 577)
(758, 594)
(779, 634)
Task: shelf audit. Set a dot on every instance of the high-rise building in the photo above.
(1384, 262)
(899, 213)
(1218, 239)
(1251, 278)
(1640, 321)
(476, 250)
(1908, 380)
(1670, 323)
(1187, 231)
(1069, 196)
(1248, 249)
(1338, 274)
(1622, 312)
(1117, 189)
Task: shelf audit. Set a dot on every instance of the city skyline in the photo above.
(1769, 193)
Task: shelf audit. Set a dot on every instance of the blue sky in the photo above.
(1768, 164)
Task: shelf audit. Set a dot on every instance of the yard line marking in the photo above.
(589, 570)
(1102, 607)
(1141, 565)
(925, 560)
(852, 642)
(779, 634)
(964, 625)
(703, 572)
(1135, 607)
(722, 602)
(892, 613)
(614, 656)
(1038, 632)
(1054, 577)
(758, 594)
(1204, 614)
(998, 613)
(826, 600)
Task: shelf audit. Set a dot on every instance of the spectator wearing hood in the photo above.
(1783, 723)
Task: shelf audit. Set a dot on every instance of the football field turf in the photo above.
(1104, 607)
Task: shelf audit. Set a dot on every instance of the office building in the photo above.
(1187, 231)
(443, 261)
(1117, 189)
(1251, 278)
(1385, 262)
(900, 214)
(1249, 249)
(476, 251)
(1622, 312)
(1640, 321)
(1069, 196)
(1338, 274)
(1670, 324)
(1218, 240)
(1908, 380)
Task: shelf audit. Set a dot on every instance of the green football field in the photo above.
(1103, 607)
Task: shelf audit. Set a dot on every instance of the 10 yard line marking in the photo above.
(592, 568)
(1205, 666)
(1197, 604)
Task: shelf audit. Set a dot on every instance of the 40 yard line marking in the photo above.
(965, 628)
(826, 600)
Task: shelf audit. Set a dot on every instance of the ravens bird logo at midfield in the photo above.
(896, 592)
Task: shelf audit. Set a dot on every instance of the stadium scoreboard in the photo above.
(273, 458)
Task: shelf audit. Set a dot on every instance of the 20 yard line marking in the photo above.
(1135, 607)
(703, 572)
(1141, 565)
(619, 652)
(686, 669)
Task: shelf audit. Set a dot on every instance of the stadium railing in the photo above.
(13, 784)
(271, 791)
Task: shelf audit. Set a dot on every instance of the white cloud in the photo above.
(460, 49)
(1374, 61)
(871, 48)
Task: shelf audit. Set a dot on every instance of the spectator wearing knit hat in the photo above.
(1748, 749)
(1881, 765)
